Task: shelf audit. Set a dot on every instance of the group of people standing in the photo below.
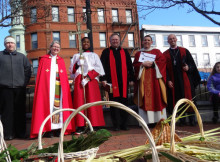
(160, 80)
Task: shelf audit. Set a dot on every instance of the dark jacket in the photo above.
(15, 69)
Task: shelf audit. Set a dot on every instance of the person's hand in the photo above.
(147, 64)
(170, 84)
(131, 83)
(186, 67)
(104, 83)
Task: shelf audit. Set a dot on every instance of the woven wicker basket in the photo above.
(80, 154)
(181, 156)
(3, 145)
(117, 105)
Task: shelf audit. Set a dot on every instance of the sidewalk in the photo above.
(120, 139)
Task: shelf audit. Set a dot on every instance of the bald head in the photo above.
(172, 40)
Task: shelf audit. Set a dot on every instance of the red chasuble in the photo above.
(41, 106)
(92, 91)
(187, 86)
(152, 98)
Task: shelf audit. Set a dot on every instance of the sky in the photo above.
(173, 16)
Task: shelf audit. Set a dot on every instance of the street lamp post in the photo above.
(89, 23)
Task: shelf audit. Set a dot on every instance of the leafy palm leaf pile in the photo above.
(83, 142)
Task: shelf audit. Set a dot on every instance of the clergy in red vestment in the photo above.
(85, 73)
(182, 76)
(52, 92)
(150, 75)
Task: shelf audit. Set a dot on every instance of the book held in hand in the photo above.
(108, 87)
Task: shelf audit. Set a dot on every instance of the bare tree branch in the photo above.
(204, 7)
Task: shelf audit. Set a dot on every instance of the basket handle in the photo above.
(173, 121)
(55, 112)
(117, 105)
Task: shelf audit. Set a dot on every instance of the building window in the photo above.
(206, 59)
(35, 66)
(34, 41)
(84, 15)
(192, 41)
(56, 36)
(165, 41)
(114, 15)
(33, 15)
(194, 56)
(102, 39)
(72, 40)
(216, 40)
(128, 16)
(55, 14)
(217, 57)
(70, 12)
(101, 15)
(153, 39)
(18, 42)
(130, 40)
(204, 41)
(179, 40)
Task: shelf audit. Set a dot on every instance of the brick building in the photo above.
(109, 16)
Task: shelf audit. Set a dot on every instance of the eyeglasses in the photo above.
(56, 47)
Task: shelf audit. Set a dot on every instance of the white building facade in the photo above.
(202, 42)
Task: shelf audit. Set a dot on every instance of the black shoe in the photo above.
(9, 137)
(56, 133)
(49, 134)
(79, 130)
(215, 119)
(116, 129)
(124, 128)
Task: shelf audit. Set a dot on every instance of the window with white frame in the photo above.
(128, 16)
(34, 44)
(130, 39)
(33, 15)
(35, 66)
(84, 15)
(70, 12)
(114, 15)
(165, 41)
(153, 39)
(18, 42)
(204, 41)
(216, 40)
(217, 57)
(179, 40)
(102, 39)
(55, 14)
(206, 59)
(192, 41)
(56, 36)
(72, 40)
(194, 56)
(101, 18)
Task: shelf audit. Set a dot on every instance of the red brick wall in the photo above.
(44, 27)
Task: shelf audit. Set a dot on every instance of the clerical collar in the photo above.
(174, 48)
(144, 49)
(52, 55)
